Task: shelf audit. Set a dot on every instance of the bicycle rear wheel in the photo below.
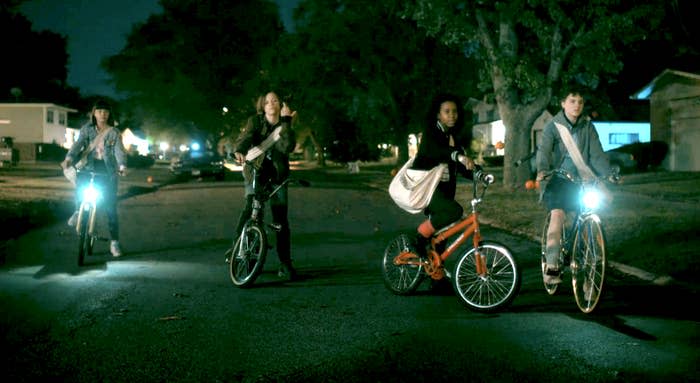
(551, 288)
(84, 239)
(490, 291)
(588, 263)
(401, 268)
(247, 256)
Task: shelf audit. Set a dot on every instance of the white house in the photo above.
(674, 112)
(31, 125)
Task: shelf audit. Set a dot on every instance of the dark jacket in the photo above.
(256, 130)
(435, 149)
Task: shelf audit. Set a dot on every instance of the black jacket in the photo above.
(434, 149)
(256, 130)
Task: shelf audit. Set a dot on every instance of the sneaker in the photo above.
(115, 249)
(552, 276)
(287, 271)
(73, 220)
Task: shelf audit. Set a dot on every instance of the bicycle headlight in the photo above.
(591, 198)
(91, 194)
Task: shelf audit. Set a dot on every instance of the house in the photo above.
(36, 129)
(675, 117)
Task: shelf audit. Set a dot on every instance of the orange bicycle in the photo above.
(486, 278)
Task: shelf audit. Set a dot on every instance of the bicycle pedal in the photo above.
(275, 226)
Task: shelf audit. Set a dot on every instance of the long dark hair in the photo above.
(102, 104)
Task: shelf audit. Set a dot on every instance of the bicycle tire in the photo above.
(588, 263)
(247, 256)
(83, 236)
(492, 291)
(401, 279)
(550, 288)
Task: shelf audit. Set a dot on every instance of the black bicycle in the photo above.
(583, 244)
(246, 257)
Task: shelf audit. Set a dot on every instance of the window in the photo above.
(623, 138)
(49, 116)
(62, 118)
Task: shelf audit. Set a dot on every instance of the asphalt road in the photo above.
(166, 310)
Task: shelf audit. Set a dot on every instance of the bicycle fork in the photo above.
(90, 209)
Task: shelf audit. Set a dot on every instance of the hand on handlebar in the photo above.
(240, 157)
(466, 161)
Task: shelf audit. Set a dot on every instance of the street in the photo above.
(167, 311)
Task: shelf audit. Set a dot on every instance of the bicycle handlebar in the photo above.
(485, 178)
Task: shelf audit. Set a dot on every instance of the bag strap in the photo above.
(256, 151)
(93, 144)
(584, 171)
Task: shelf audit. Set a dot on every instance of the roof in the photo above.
(662, 79)
(38, 105)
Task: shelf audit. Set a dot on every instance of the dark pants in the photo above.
(279, 208)
(108, 186)
(443, 210)
(560, 193)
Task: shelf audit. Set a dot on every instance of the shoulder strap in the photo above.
(256, 151)
(584, 171)
(93, 144)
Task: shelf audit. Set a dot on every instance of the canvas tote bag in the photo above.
(412, 189)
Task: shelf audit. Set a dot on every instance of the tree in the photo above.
(530, 48)
(180, 68)
(356, 63)
(34, 64)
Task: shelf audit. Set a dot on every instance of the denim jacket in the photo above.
(114, 155)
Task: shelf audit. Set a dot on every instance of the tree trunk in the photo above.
(518, 123)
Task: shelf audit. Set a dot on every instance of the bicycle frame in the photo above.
(89, 200)
(485, 276)
(468, 226)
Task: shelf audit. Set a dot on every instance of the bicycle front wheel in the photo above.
(84, 238)
(494, 288)
(588, 263)
(401, 267)
(247, 256)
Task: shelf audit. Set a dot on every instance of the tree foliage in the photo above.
(530, 48)
(34, 64)
(356, 65)
(180, 68)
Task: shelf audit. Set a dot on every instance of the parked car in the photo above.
(638, 156)
(199, 163)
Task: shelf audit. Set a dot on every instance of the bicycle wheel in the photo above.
(551, 288)
(247, 256)
(490, 291)
(588, 263)
(401, 268)
(84, 246)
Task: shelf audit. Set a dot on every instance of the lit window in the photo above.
(49, 116)
(623, 138)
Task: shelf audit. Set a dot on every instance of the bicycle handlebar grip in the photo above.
(487, 179)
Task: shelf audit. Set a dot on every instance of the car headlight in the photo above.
(591, 198)
(91, 194)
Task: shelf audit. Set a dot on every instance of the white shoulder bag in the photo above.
(412, 189)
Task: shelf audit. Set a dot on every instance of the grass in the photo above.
(652, 224)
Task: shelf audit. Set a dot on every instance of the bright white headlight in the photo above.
(591, 198)
(91, 194)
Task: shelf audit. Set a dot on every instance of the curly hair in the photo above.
(434, 110)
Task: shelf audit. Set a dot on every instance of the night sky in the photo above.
(98, 28)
